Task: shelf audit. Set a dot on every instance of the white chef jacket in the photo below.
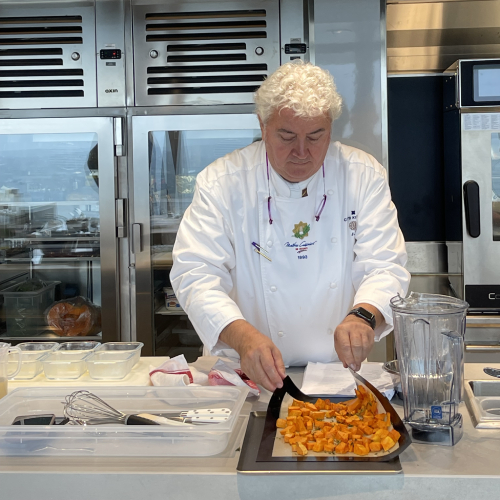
(354, 254)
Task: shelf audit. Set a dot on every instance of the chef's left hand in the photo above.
(353, 341)
(354, 338)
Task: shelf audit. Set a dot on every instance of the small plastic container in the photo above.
(110, 365)
(25, 311)
(32, 356)
(65, 365)
(135, 347)
(79, 346)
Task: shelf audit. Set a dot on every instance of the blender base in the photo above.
(444, 435)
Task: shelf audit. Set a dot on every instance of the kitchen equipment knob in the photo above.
(153, 54)
(75, 56)
(259, 51)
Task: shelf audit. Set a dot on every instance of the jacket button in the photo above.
(334, 240)
(273, 288)
(269, 243)
(281, 334)
(333, 285)
(330, 192)
(330, 331)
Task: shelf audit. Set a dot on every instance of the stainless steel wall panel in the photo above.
(427, 37)
(110, 34)
(349, 44)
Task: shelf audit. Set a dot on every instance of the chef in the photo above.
(291, 249)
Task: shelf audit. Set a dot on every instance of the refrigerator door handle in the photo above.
(118, 137)
(121, 227)
(136, 238)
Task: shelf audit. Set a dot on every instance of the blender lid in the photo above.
(428, 303)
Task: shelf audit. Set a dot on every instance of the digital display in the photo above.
(111, 54)
(486, 82)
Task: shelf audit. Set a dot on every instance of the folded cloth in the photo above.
(332, 379)
(174, 371)
(223, 374)
(199, 378)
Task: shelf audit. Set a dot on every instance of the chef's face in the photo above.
(296, 146)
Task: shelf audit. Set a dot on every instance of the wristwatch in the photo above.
(362, 313)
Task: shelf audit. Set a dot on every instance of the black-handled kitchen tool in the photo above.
(471, 206)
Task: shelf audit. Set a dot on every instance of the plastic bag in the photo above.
(74, 317)
(223, 374)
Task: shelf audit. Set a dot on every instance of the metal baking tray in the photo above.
(256, 455)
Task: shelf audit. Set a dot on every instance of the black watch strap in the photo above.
(362, 313)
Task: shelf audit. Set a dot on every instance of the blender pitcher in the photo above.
(4, 375)
(429, 331)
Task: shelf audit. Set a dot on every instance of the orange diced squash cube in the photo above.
(375, 446)
(359, 449)
(281, 423)
(341, 448)
(387, 443)
(328, 447)
(301, 449)
(318, 447)
(395, 435)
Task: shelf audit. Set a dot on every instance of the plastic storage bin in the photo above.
(31, 358)
(110, 365)
(136, 347)
(78, 346)
(24, 311)
(65, 365)
(120, 440)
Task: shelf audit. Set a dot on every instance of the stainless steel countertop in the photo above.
(464, 471)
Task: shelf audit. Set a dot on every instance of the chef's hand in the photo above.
(260, 359)
(354, 338)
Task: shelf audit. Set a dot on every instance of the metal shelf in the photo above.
(165, 312)
(51, 259)
(44, 203)
(53, 238)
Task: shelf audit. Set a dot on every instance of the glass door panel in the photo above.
(50, 233)
(178, 148)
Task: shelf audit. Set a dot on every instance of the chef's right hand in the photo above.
(260, 359)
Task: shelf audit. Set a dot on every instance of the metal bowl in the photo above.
(392, 367)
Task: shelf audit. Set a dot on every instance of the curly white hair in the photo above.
(306, 89)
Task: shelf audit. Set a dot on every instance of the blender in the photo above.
(429, 332)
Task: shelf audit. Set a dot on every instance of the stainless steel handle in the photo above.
(121, 226)
(136, 238)
(482, 348)
(118, 136)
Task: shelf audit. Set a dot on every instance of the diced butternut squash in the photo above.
(301, 449)
(375, 446)
(281, 423)
(359, 449)
(387, 443)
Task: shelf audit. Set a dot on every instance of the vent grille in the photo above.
(203, 57)
(46, 60)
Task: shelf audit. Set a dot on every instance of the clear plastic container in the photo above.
(136, 347)
(32, 356)
(78, 346)
(120, 440)
(65, 365)
(110, 365)
(25, 311)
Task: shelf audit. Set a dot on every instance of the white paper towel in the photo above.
(332, 379)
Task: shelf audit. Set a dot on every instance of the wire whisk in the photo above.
(84, 408)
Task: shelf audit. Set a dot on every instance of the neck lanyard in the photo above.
(317, 215)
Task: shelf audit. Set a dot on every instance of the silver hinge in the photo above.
(118, 136)
(121, 223)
